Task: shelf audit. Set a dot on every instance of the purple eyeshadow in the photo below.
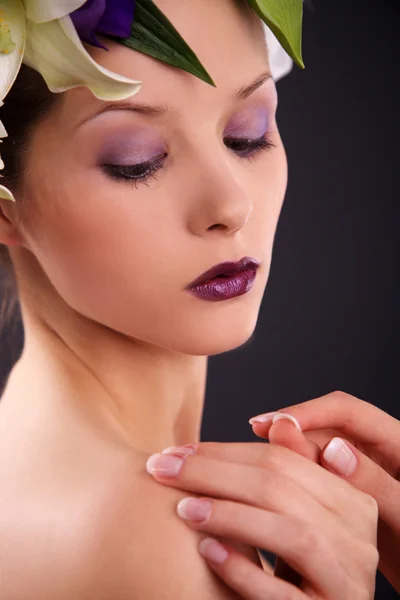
(138, 148)
(252, 123)
(130, 147)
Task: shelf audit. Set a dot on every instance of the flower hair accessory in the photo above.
(49, 36)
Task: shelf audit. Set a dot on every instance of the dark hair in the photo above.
(27, 103)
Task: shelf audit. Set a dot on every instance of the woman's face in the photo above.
(127, 207)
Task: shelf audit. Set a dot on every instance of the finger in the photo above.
(287, 433)
(317, 437)
(243, 483)
(342, 458)
(241, 575)
(354, 418)
(283, 432)
(311, 551)
(331, 492)
(269, 477)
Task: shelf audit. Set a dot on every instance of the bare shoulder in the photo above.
(153, 552)
(110, 532)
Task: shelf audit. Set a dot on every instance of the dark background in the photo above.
(330, 316)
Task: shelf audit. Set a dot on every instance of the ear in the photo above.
(9, 234)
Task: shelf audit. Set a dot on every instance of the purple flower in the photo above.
(109, 17)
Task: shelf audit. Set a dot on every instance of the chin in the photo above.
(208, 328)
(221, 344)
(216, 336)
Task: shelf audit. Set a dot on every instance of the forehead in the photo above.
(227, 36)
(229, 40)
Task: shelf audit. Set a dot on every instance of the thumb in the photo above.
(286, 431)
(342, 458)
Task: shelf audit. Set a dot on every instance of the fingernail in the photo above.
(339, 456)
(166, 465)
(263, 418)
(280, 415)
(187, 449)
(194, 509)
(213, 551)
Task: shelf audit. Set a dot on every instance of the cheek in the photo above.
(279, 178)
(120, 256)
(106, 253)
(270, 183)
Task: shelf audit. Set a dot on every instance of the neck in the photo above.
(147, 396)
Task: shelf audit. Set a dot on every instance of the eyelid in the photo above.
(131, 145)
(151, 166)
(119, 162)
(254, 121)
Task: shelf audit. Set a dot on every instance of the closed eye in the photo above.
(248, 147)
(140, 172)
(143, 172)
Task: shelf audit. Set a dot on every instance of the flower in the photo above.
(53, 48)
(4, 192)
(41, 34)
(6, 43)
(110, 17)
(12, 44)
(280, 62)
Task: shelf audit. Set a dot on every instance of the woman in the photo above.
(117, 213)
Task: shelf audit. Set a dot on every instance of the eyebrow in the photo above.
(248, 90)
(158, 111)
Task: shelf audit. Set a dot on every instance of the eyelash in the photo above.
(142, 173)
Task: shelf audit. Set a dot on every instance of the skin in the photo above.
(373, 437)
(322, 528)
(115, 356)
(110, 265)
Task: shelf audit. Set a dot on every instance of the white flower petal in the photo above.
(55, 50)
(6, 194)
(3, 132)
(41, 11)
(280, 62)
(12, 12)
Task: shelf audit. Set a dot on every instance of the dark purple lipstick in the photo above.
(226, 280)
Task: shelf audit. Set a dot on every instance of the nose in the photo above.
(220, 202)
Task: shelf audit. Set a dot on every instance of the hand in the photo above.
(269, 497)
(370, 460)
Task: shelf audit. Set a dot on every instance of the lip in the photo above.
(226, 280)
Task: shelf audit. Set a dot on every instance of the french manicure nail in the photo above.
(213, 551)
(187, 449)
(339, 456)
(265, 418)
(194, 509)
(281, 415)
(164, 465)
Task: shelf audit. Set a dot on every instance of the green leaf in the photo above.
(285, 19)
(153, 34)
